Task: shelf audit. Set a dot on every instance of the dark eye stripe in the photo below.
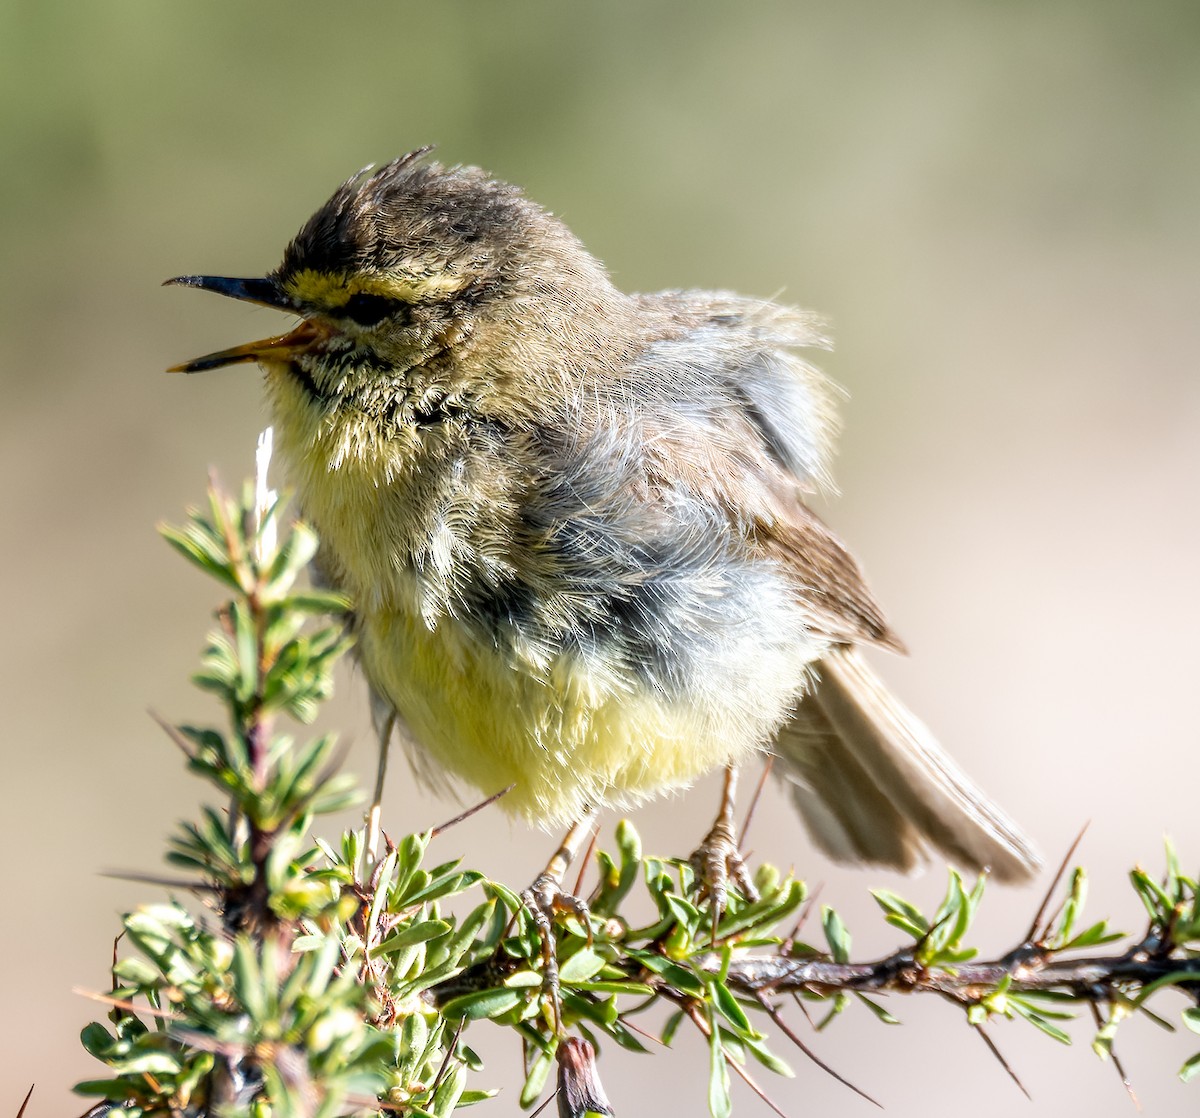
(367, 309)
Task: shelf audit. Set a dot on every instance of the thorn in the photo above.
(28, 1096)
(121, 1003)
(1161, 1022)
(805, 913)
(744, 1075)
(206, 1043)
(434, 832)
(991, 1044)
(746, 1078)
(804, 1010)
(117, 1015)
(638, 1029)
(450, 1050)
(1032, 935)
(1119, 1067)
(783, 1026)
(586, 861)
(924, 940)
(372, 882)
(164, 882)
(340, 753)
(758, 791)
(175, 736)
(545, 1103)
(375, 814)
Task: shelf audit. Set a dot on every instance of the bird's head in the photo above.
(419, 280)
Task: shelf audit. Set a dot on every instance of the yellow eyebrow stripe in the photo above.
(334, 289)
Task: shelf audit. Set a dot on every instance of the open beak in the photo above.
(267, 293)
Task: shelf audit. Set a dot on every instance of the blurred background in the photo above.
(997, 206)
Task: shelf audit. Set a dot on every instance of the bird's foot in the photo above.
(545, 900)
(718, 863)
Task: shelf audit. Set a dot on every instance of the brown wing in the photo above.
(869, 779)
(828, 578)
(736, 472)
(873, 785)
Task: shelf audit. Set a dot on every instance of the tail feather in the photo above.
(872, 784)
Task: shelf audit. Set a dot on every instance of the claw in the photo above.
(718, 861)
(546, 899)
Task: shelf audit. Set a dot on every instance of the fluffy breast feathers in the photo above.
(607, 599)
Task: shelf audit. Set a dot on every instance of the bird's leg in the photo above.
(717, 859)
(547, 897)
(384, 728)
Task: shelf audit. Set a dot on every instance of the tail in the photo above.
(872, 785)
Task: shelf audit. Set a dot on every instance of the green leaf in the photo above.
(148, 1063)
(535, 1079)
(671, 1027)
(136, 972)
(673, 973)
(763, 913)
(483, 1003)
(900, 913)
(470, 927)
(618, 880)
(836, 935)
(245, 633)
(201, 549)
(449, 1091)
(118, 1090)
(523, 979)
(317, 601)
(633, 989)
(447, 886)
(768, 1059)
(1154, 898)
(1046, 1027)
(719, 1104)
(581, 966)
(1094, 936)
(837, 1006)
(730, 1009)
(878, 1009)
(248, 980)
(296, 549)
(97, 1040)
(950, 922)
(421, 932)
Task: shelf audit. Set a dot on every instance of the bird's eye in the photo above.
(367, 309)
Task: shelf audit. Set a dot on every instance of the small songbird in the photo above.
(572, 521)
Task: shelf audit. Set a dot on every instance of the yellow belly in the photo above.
(565, 738)
(567, 723)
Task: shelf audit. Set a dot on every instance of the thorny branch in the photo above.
(334, 981)
(1029, 969)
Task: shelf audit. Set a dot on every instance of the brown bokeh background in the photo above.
(998, 206)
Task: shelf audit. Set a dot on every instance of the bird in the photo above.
(575, 525)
